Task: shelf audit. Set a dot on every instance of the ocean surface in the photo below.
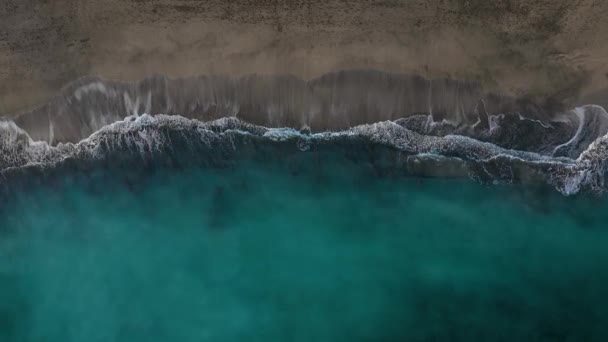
(258, 252)
(344, 208)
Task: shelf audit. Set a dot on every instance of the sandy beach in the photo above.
(543, 50)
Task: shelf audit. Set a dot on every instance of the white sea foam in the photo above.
(147, 135)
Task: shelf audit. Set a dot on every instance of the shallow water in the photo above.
(256, 253)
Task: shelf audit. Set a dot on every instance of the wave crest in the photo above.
(397, 123)
(175, 140)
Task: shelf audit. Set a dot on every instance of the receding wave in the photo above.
(397, 124)
(335, 101)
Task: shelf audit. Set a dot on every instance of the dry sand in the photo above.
(544, 49)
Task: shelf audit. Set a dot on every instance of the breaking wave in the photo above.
(216, 121)
(141, 142)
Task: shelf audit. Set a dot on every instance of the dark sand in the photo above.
(546, 50)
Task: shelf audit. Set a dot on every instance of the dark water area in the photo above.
(259, 252)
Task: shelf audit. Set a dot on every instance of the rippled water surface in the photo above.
(258, 253)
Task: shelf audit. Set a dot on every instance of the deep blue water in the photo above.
(256, 253)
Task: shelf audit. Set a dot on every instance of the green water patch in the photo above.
(258, 253)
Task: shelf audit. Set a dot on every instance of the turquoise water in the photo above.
(256, 253)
